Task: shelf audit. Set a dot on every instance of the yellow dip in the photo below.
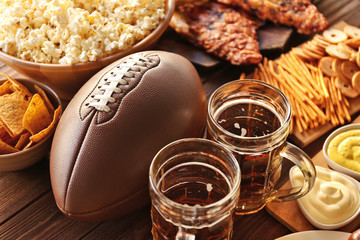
(344, 149)
(333, 199)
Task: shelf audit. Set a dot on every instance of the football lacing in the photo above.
(100, 101)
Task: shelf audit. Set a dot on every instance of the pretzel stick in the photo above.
(242, 76)
(302, 67)
(293, 69)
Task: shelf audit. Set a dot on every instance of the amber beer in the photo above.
(252, 118)
(194, 190)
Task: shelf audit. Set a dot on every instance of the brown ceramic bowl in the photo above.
(25, 158)
(67, 79)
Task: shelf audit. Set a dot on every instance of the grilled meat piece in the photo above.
(220, 30)
(301, 14)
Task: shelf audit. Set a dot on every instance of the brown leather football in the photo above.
(114, 126)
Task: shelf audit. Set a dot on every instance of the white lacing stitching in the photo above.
(116, 77)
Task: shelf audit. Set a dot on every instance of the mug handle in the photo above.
(183, 235)
(306, 166)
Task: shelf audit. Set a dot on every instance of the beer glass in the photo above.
(194, 186)
(252, 119)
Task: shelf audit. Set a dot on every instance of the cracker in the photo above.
(334, 35)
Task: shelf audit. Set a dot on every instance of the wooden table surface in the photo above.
(28, 209)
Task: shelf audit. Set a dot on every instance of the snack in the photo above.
(349, 68)
(336, 51)
(301, 14)
(334, 35)
(73, 31)
(350, 50)
(346, 87)
(113, 127)
(333, 199)
(220, 30)
(337, 66)
(352, 31)
(23, 115)
(355, 81)
(317, 77)
(353, 42)
(344, 149)
(326, 66)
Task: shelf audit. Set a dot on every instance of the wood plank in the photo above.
(344, 10)
(353, 16)
(330, 7)
(257, 226)
(289, 213)
(43, 220)
(19, 189)
(134, 226)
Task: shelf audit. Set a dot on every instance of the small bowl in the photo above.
(25, 158)
(330, 162)
(66, 80)
(325, 226)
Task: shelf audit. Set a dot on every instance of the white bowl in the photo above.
(321, 225)
(330, 162)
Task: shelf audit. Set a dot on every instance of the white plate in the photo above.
(317, 235)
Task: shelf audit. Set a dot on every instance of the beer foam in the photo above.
(209, 187)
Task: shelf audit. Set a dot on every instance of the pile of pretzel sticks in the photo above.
(317, 93)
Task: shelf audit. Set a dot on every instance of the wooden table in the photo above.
(28, 209)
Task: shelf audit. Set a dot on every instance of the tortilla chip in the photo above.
(46, 99)
(47, 131)
(5, 88)
(3, 132)
(6, 148)
(30, 144)
(16, 86)
(5, 137)
(23, 140)
(37, 116)
(12, 109)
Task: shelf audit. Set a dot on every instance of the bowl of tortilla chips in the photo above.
(29, 113)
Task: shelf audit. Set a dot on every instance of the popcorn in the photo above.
(74, 31)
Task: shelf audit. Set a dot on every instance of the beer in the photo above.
(252, 118)
(247, 118)
(186, 184)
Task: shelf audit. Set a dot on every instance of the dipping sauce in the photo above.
(344, 149)
(333, 199)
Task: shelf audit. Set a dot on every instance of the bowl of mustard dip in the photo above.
(342, 150)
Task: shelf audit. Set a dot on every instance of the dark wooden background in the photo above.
(28, 209)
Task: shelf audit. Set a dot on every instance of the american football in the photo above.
(113, 127)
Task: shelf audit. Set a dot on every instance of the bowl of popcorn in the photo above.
(64, 44)
(29, 113)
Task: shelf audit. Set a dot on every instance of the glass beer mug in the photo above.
(252, 119)
(194, 187)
